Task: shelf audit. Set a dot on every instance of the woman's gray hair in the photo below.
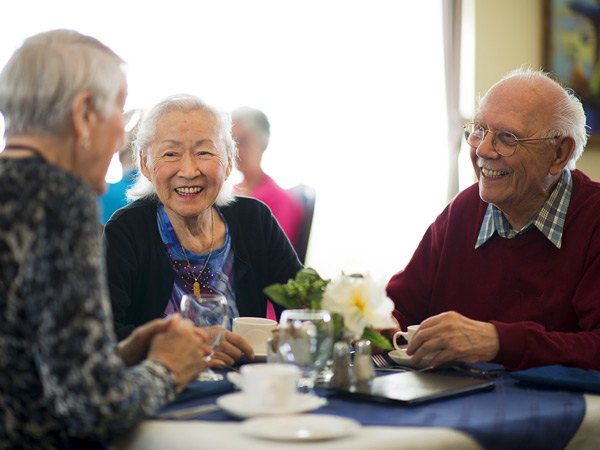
(43, 76)
(146, 136)
(568, 118)
(255, 120)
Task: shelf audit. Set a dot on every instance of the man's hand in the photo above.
(455, 338)
(232, 347)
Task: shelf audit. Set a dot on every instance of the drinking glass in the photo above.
(306, 339)
(210, 313)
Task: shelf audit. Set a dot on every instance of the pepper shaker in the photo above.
(341, 364)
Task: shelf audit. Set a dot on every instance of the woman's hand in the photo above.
(182, 349)
(232, 348)
(135, 347)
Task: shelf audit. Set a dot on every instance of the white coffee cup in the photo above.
(256, 331)
(267, 385)
(408, 335)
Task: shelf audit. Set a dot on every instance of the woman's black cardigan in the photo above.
(140, 274)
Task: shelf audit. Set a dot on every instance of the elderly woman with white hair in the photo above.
(64, 381)
(187, 231)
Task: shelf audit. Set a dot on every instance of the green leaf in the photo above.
(308, 274)
(278, 294)
(377, 339)
(315, 298)
(315, 304)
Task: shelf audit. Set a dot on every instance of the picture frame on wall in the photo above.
(572, 52)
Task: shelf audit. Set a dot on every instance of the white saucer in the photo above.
(307, 427)
(401, 358)
(235, 405)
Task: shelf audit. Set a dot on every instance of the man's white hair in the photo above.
(568, 118)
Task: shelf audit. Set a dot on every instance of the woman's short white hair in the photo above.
(146, 136)
(43, 76)
(568, 118)
(254, 120)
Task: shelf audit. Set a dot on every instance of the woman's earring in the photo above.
(86, 143)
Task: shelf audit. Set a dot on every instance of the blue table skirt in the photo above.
(510, 416)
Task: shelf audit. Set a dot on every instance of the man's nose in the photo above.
(486, 147)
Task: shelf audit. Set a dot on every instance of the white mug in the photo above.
(408, 335)
(267, 385)
(256, 331)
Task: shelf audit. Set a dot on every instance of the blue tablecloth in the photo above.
(510, 416)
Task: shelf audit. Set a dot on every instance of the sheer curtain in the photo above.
(452, 11)
(354, 91)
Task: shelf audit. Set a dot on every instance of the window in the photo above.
(354, 91)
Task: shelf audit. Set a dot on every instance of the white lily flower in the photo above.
(361, 302)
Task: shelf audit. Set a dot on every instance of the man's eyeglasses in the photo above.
(503, 142)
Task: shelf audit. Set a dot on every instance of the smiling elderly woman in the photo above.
(186, 230)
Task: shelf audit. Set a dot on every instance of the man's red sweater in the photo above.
(544, 301)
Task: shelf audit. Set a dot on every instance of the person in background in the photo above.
(64, 381)
(115, 195)
(509, 271)
(186, 231)
(251, 132)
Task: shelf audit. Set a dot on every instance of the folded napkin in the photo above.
(561, 377)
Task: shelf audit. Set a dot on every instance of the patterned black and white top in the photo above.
(60, 375)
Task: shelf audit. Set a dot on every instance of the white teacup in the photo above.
(267, 385)
(408, 335)
(256, 331)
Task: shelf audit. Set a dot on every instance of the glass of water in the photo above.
(306, 340)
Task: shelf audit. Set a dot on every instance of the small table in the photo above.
(227, 434)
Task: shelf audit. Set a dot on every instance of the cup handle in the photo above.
(394, 339)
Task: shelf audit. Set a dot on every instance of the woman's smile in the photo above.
(189, 191)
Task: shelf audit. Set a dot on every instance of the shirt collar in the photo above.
(550, 220)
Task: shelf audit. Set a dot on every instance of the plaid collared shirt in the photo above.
(550, 220)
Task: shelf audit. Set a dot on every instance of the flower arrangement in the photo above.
(358, 304)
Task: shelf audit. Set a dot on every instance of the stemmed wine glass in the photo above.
(306, 339)
(211, 313)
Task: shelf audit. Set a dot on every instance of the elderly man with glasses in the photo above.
(510, 271)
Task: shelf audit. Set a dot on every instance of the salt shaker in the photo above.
(363, 365)
(341, 364)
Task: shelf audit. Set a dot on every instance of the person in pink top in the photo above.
(251, 131)
(509, 272)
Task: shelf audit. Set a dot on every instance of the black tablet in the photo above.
(413, 388)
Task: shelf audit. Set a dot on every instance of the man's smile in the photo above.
(490, 173)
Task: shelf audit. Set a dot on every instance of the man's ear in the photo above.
(562, 154)
(83, 117)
